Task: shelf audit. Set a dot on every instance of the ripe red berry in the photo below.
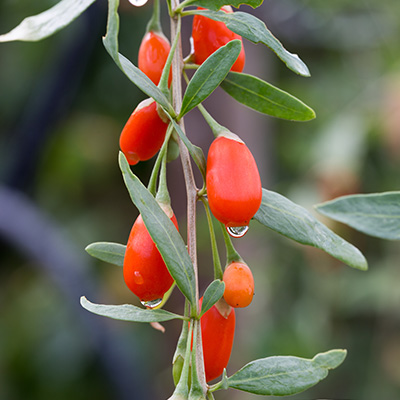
(233, 182)
(153, 53)
(145, 272)
(209, 35)
(239, 285)
(217, 332)
(143, 134)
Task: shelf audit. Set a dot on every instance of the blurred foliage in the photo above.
(305, 301)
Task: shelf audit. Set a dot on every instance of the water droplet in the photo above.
(138, 3)
(237, 231)
(138, 278)
(151, 303)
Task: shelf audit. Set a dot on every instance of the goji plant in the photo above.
(156, 257)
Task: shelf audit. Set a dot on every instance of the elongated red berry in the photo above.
(209, 35)
(239, 285)
(145, 272)
(153, 53)
(143, 134)
(217, 332)
(233, 182)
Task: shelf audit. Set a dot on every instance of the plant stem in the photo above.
(191, 190)
(154, 23)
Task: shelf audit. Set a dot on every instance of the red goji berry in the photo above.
(143, 134)
(233, 182)
(145, 272)
(153, 53)
(209, 35)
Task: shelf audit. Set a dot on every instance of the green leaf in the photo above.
(209, 75)
(265, 98)
(293, 221)
(376, 214)
(195, 151)
(215, 5)
(212, 294)
(140, 79)
(129, 312)
(163, 232)
(285, 375)
(253, 29)
(112, 253)
(43, 25)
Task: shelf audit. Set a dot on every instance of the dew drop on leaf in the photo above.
(151, 303)
(237, 231)
(138, 3)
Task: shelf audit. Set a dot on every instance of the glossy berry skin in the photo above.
(233, 182)
(209, 35)
(143, 134)
(217, 334)
(145, 272)
(153, 53)
(239, 285)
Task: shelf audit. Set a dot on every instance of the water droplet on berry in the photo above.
(138, 278)
(151, 303)
(237, 231)
(138, 3)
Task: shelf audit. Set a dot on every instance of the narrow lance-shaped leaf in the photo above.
(284, 375)
(376, 214)
(209, 75)
(293, 221)
(265, 98)
(140, 79)
(212, 294)
(129, 312)
(112, 253)
(163, 232)
(45, 24)
(215, 5)
(253, 29)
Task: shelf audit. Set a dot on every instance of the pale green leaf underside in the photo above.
(376, 214)
(265, 98)
(285, 375)
(209, 75)
(295, 222)
(212, 294)
(112, 253)
(43, 25)
(253, 29)
(128, 312)
(140, 79)
(163, 232)
(215, 5)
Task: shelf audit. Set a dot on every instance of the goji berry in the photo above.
(153, 53)
(233, 182)
(145, 272)
(143, 134)
(239, 285)
(209, 35)
(217, 332)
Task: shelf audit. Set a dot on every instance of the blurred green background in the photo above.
(63, 104)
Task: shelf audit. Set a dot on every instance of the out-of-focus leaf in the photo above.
(43, 25)
(295, 222)
(376, 214)
(265, 98)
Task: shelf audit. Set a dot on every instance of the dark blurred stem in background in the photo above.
(30, 231)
